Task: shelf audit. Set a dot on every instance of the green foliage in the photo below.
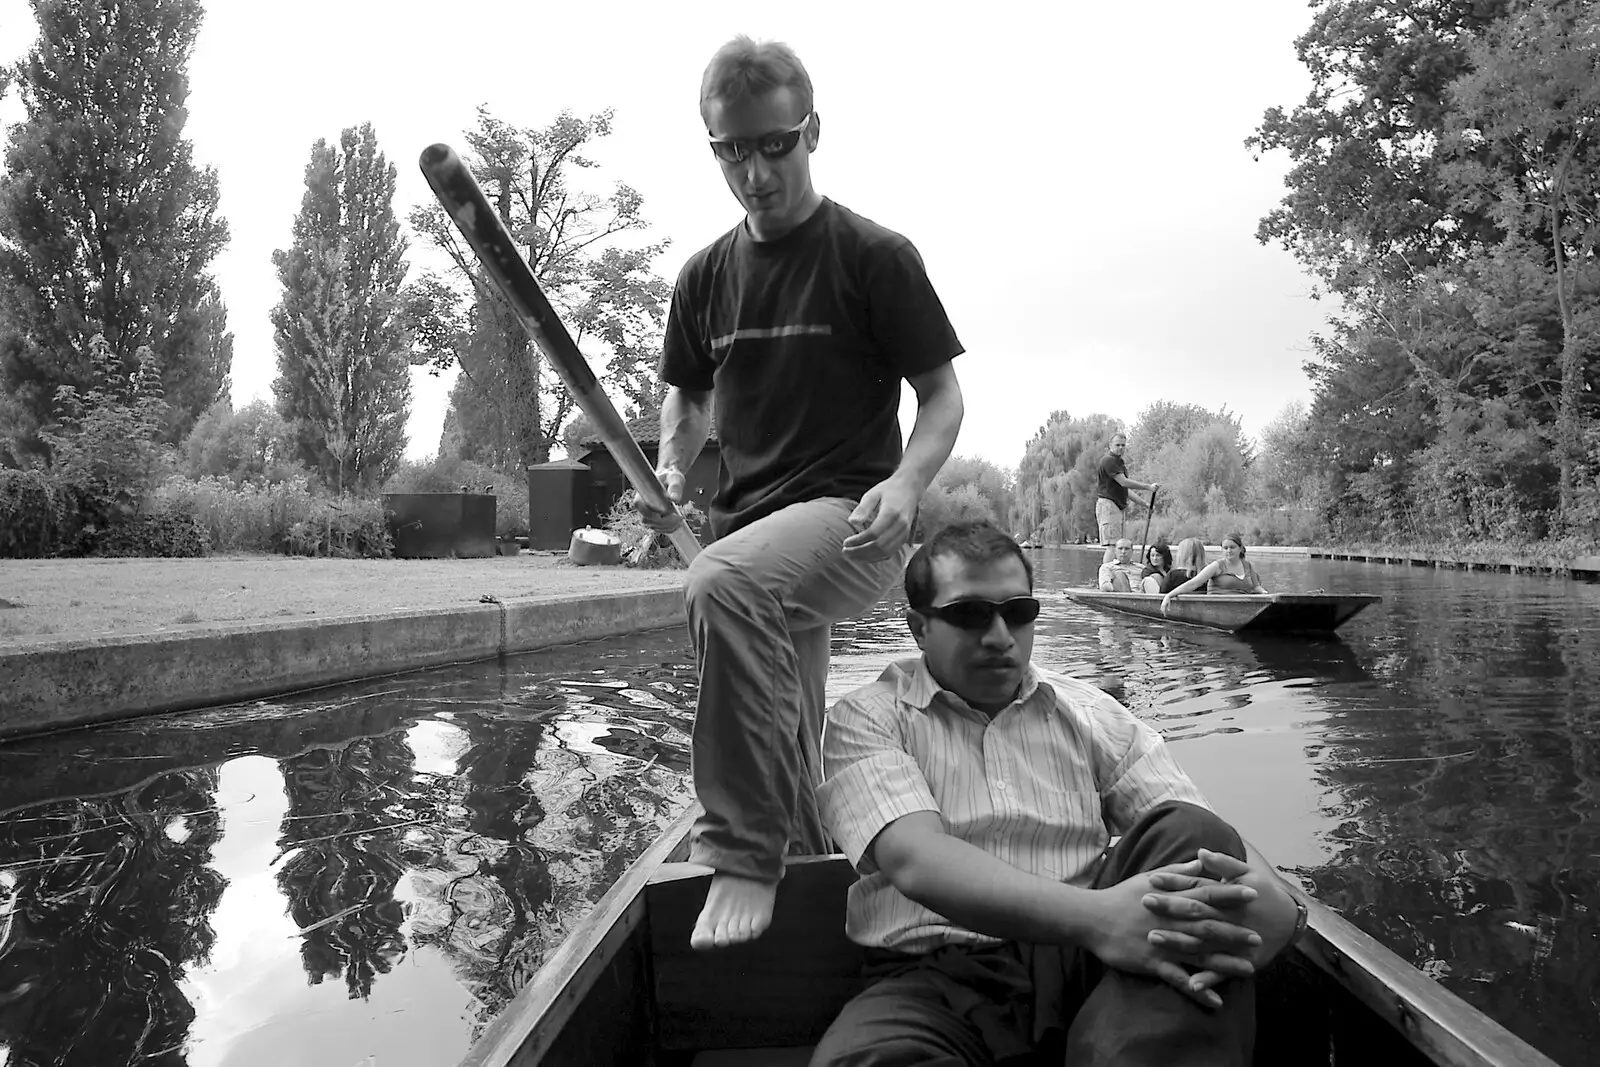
(1444, 183)
(107, 228)
(104, 440)
(39, 514)
(943, 506)
(1198, 456)
(254, 443)
(284, 517)
(1364, 190)
(447, 475)
(343, 347)
(623, 521)
(1287, 472)
(992, 483)
(1056, 480)
(511, 408)
(162, 533)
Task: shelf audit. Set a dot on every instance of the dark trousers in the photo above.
(1037, 1004)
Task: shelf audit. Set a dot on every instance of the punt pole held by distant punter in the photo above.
(488, 237)
(1144, 545)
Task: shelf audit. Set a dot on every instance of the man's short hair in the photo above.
(970, 542)
(1124, 542)
(745, 68)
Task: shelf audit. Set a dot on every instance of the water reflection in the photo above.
(385, 865)
(103, 904)
(416, 835)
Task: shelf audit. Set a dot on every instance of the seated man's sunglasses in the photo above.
(772, 146)
(979, 614)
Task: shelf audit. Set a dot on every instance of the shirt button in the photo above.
(1000, 785)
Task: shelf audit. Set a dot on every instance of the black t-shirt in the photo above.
(805, 341)
(1110, 488)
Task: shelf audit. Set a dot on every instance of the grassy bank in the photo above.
(55, 599)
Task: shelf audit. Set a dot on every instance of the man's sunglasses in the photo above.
(979, 614)
(772, 146)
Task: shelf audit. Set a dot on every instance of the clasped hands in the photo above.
(1194, 925)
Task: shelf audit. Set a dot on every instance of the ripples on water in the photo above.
(374, 870)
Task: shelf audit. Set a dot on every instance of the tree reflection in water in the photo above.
(1469, 831)
(553, 814)
(341, 837)
(104, 902)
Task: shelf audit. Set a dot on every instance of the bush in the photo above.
(39, 515)
(164, 533)
(623, 521)
(254, 443)
(105, 440)
(448, 474)
(287, 517)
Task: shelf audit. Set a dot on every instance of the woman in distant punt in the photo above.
(1157, 565)
(1230, 574)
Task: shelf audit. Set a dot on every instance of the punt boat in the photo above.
(1285, 613)
(625, 989)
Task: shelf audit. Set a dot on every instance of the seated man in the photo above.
(976, 795)
(1121, 574)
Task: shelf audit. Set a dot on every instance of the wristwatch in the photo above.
(1302, 918)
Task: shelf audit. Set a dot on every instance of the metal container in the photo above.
(435, 525)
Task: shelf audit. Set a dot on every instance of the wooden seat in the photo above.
(788, 1056)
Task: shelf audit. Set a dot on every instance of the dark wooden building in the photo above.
(566, 494)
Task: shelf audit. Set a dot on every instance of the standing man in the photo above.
(801, 321)
(1111, 505)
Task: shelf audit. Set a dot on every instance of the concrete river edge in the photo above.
(77, 683)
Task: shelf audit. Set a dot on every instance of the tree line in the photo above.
(1443, 192)
(114, 336)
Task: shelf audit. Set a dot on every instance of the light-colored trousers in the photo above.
(760, 603)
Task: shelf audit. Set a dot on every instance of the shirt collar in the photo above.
(917, 687)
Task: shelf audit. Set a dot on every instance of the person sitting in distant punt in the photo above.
(1187, 561)
(1120, 574)
(1157, 565)
(1230, 574)
(976, 795)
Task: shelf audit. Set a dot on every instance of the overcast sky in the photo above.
(1073, 174)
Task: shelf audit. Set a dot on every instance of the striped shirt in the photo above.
(1043, 785)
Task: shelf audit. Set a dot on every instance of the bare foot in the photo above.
(737, 910)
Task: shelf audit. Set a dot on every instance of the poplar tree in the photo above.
(107, 226)
(343, 348)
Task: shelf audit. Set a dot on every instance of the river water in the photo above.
(365, 874)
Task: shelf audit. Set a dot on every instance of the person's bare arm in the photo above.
(888, 510)
(982, 893)
(1128, 483)
(685, 425)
